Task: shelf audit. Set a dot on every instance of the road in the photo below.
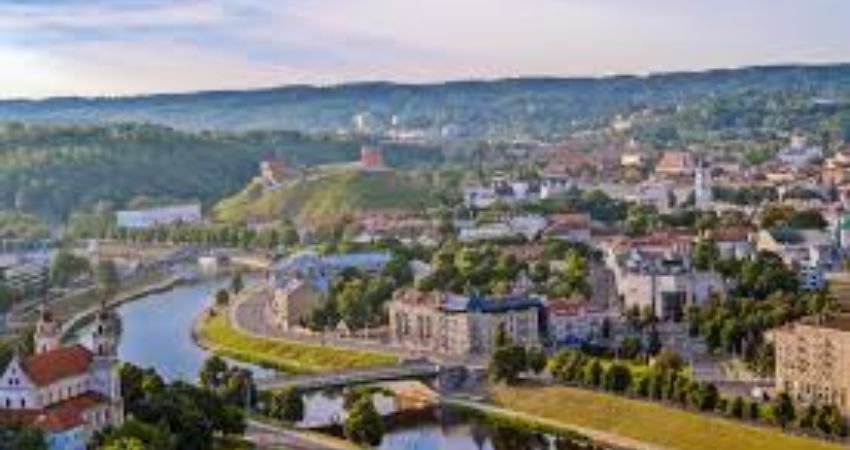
(270, 437)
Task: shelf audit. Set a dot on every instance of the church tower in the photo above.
(702, 187)
(47, 331)
(106, 332)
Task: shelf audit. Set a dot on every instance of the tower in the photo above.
(106, 379)
(702, 187)
(47, 331)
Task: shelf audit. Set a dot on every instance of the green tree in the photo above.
(222, 298)
(364, 424)
(736, 408)
(705, 254)
(593, 373)
(214, 372)
(108, 280)
(125, 444)
(782, 410)
(617, 378)
(536, 360)
(507, 363)
(236, 283)
(65, 266)
(288, 405)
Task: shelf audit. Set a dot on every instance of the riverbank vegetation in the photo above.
(647, 422)
(215, 332)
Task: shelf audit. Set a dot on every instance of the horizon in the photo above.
(94, 48)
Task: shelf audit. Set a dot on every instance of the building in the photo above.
(457, 325)
(810, 253)
(372, 159)
(294, 303)
(576, 321)
(813, 361)
(675, 164)
(799, 154)
(26, 277)
(836, 170)
(656, 273)
(70, 392)
(570, 227)
(703, 195)
(166, 215)
(273, 172)
(732, 242)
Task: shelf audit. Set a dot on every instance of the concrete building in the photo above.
(294, 303)
(813, 361)
(572, 322)
(166, 215)
(450, 324)
(656, 273)
(570, 227)
(810, 253)
(69, 392)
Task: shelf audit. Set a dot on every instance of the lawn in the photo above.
(648, 422)
(216, 333)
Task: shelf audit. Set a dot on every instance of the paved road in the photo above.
(270, 437)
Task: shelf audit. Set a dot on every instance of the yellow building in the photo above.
(813, 361)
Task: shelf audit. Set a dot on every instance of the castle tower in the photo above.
(47, 331)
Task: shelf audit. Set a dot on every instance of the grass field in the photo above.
(648, 422)
(216, 333)
(328, 195)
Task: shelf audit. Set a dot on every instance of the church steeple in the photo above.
(47, 331)
(105, 331)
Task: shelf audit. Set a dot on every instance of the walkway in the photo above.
(266, 436)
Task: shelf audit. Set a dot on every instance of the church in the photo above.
(70, 392)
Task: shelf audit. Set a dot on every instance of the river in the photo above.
(156, 332)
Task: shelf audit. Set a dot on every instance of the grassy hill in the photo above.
(330, 193)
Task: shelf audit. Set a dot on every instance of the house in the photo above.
(836, 170)
(810, 253)
(293, 304)
(152, 217)
(675, 164)
(575, 321)
(569, 227)
(799, 153)
(732, 242)
(70, 392)
(450, 324)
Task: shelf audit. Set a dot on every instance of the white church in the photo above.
(70, 392)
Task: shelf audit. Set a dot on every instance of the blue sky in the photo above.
(115, 47)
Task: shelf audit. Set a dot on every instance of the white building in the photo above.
(69, 392)
(574, 322)
(167, 215)
(799, 153)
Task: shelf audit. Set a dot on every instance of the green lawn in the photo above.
(648, 422)
(216, 333)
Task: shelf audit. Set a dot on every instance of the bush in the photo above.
(618, 378)
(364, 425)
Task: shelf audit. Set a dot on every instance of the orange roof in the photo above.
(731, 234)
(59, 417)
(675, 162)
(47, 368)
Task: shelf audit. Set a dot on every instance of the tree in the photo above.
(829, 420)
(125, 444)
(108, 280)
(288, 405)
(618, 378)
(593, 373)
(213, 372)
(364, 424)
(66, 266)
(782, 410)
(536, 360)
(236, 283)
(507, 363)
(222, 298)
(736, 408)
(705, 254)
(668, 360)
(22, 438)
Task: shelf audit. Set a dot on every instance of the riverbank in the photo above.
(639, 424)
(214, 332)
(154, 284)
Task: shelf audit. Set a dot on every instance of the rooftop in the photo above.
(47, 368)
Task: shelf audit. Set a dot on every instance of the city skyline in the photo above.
(123, 47)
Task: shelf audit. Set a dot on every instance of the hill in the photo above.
(53, 171)
(327, 195)
(533, 107)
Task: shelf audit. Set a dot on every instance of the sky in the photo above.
(123, 47)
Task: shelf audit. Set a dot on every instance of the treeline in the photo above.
(55, 170)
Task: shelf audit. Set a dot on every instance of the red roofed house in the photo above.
(676, 164)
(69, 392)
(576, 320)
(569, 227)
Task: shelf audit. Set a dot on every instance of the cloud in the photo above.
(129, 46)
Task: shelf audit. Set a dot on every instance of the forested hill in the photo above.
(53, 171)
(536, 107)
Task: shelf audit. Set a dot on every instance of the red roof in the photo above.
(59, 417)
(47, 368)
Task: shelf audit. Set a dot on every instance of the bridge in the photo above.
(349, 377)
